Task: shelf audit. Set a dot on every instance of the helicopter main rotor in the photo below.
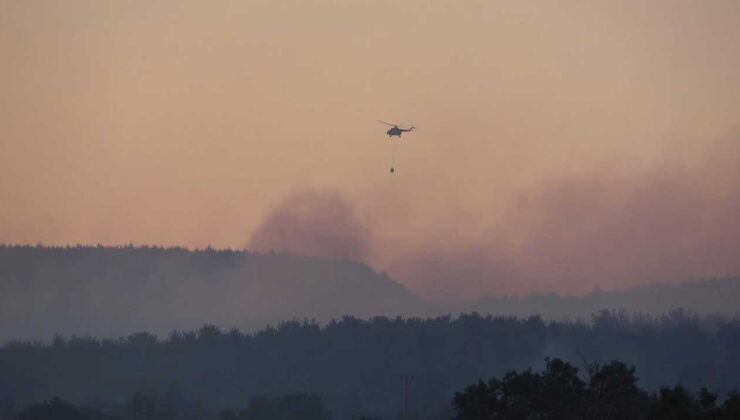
(395, 125)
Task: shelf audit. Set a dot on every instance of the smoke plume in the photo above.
(314, 223)
(673, 221)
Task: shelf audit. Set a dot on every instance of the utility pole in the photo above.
(406, 380)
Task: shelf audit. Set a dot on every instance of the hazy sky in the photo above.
(560, 145)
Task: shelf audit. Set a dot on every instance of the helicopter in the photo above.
(395, 130)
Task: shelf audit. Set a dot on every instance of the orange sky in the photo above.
(188, 122)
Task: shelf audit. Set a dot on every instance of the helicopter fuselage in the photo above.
(395, 131)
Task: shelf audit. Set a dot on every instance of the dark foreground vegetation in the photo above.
(354, 366)
(609, 392)
(297, 406)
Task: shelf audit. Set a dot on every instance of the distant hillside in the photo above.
(108, 292)
(115, 291)
(701, 297)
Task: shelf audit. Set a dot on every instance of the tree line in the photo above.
(296, 406)
(355, 364)
(610, 391)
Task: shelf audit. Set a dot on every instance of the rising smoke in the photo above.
(314, 223)
(674, 220)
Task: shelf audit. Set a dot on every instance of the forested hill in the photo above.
(114, 291)
(716, 296)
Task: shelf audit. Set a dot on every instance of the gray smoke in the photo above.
(314, 223)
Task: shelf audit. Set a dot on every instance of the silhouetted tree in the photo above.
(479, 401)
(731, 407)
(707, 403)
(521, 395)
(613, 393)
(675, 403)
(557, 393)
(563, 392)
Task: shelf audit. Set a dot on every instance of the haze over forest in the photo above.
(197, 214)
(113, 292)
(560, 146)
